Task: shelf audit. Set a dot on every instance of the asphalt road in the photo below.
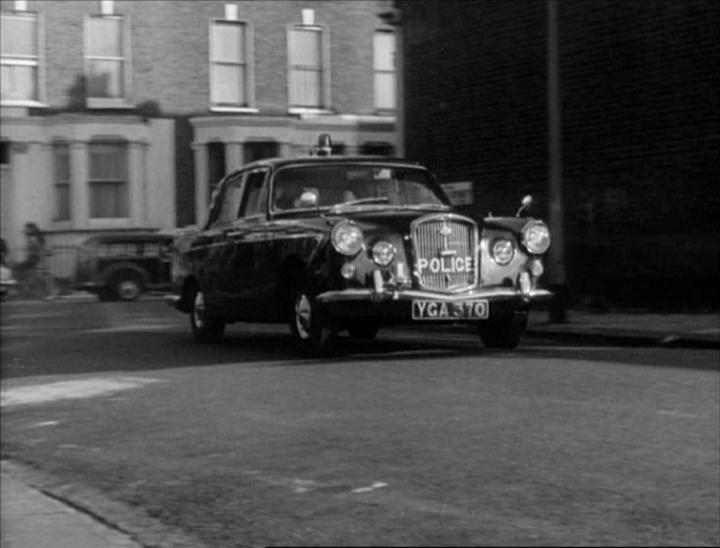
(408, 440)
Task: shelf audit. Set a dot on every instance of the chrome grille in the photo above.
(442, 245)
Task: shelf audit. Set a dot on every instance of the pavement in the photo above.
(630, 328)
(33, 519)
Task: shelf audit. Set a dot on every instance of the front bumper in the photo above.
(394, 305)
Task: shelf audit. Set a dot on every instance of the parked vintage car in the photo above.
(329, 243)
(123, 265)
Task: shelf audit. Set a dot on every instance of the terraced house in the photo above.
(122, 115)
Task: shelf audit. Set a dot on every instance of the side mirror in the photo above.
(524, 205)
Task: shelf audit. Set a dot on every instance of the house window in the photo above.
(61, 158)
(108, 180)
(228, 64)
(384, 67)
(105, 59)
(308, 70)
(20, 58)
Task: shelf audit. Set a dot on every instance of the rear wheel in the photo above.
(205, 329)
(311, 336)
(128, 286)
(504, 332)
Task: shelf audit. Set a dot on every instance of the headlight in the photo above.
(347, 238)
(383, 253)
(503, 251)
(536, 237)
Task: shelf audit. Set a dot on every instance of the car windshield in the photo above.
(339, 186)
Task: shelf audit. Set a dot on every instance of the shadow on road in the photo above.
(100, 337)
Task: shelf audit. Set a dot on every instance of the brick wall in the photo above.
(640, 128)
(169, 42)
(169, 60)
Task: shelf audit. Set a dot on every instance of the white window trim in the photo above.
(249, 68)
(111, 222)
(394, 72)
(326, 107)
(56, 182)
(110, 102)
(40, 63)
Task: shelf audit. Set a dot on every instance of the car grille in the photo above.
(442, 244)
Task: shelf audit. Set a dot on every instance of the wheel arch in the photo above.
(293, 274)
(112, 272)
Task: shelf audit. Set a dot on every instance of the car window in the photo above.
(230, 201)
(255, 194)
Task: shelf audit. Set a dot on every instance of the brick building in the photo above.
(640, 130)
(123, 114)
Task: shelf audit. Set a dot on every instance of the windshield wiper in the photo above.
(375, 200)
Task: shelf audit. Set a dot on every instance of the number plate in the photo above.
(457, 310)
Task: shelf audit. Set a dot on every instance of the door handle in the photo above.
(234, 233)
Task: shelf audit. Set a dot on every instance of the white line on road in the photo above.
(375, 485)
(43, 393)
(677, 414)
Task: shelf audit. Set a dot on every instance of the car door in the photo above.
(244, 280)
(213, 247)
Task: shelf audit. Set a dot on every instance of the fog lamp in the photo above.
(503, 251)
(536, 267)
(383, 253)
(347, 270)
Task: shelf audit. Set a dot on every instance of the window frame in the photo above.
(325, 69)
(117, 182)
(260, 206)
(59, 182)
(38, 60)
(109, 102)
(249, 66)
(380, 72)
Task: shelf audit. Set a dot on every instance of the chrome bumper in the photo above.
(491, 294)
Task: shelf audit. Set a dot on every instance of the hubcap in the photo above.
(303, 316)
(128, 289)
(199, 310)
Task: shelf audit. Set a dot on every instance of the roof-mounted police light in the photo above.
(324, 147)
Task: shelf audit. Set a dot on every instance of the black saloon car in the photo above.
(329, 243)
(123, 265)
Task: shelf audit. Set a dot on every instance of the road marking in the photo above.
(677, 414)
(46, 423)
(130, 328)
(375, 485)
(89, 388)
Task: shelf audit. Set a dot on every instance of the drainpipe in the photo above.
(556, 254)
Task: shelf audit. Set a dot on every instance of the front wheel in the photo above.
(205, 329)
(504, 332)
(309, 334)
